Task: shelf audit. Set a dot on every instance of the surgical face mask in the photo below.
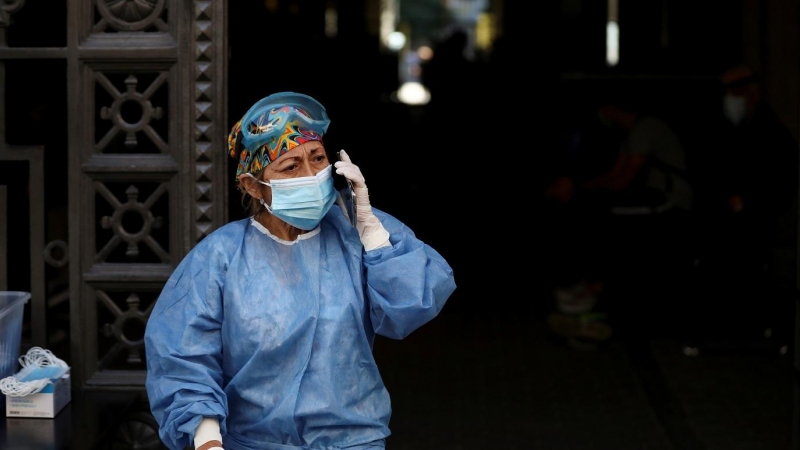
(31, 380)
(734, 107)
(302, 202)
(33, 373)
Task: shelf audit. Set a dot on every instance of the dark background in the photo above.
(466, 172)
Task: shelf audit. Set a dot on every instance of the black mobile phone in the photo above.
(349, 196)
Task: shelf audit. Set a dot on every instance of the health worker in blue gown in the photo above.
(262, 337)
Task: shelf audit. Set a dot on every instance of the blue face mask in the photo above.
(32, 373)
(302, 202)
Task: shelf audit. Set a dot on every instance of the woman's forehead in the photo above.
(302, 151)
(310, 147)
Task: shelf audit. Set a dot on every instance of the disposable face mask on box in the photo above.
(39, 368)
(29, 374)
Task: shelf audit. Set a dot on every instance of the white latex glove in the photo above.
(370, 229)
(208, 432)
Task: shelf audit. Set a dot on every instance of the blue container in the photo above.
(12, 305)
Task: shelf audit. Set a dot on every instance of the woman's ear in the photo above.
(250, 185)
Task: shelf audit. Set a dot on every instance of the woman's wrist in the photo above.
(207, 433)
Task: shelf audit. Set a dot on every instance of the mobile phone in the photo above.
(350, 197)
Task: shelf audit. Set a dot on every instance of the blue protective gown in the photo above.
(274, 338)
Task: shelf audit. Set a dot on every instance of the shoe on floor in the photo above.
(589, 326)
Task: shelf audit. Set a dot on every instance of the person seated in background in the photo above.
(644, 175)
(759, 155)
(650, 165)
(748, 218)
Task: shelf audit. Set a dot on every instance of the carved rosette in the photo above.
(126, 329)
(142, 122)
(130, 15)
(131, 238)
(204, 117)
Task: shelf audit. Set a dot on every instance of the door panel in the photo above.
(136, 180)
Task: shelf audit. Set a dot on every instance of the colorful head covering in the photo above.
(273, 126)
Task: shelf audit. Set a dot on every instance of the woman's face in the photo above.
(302, 161)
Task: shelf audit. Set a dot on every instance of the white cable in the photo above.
(35, 357)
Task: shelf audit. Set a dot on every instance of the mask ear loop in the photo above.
(261, 200)
(258, 181)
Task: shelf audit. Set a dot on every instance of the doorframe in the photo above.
(33, 156)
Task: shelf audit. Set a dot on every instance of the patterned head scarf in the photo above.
(273, 126)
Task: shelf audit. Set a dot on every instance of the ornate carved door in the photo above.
(126, 174)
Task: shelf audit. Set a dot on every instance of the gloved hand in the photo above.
(370, 229)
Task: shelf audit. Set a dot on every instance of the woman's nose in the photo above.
(306, 170)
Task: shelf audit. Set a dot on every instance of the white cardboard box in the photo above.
(44, 404)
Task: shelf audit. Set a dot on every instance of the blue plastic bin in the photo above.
(12, 306)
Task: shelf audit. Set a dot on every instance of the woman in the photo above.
(262, 337)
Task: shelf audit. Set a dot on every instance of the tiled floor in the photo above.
(506, 384)
(467, 382)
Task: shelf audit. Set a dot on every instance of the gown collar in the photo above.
(301, 237)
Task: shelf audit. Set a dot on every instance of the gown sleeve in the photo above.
(408, 282)
(183, 348)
